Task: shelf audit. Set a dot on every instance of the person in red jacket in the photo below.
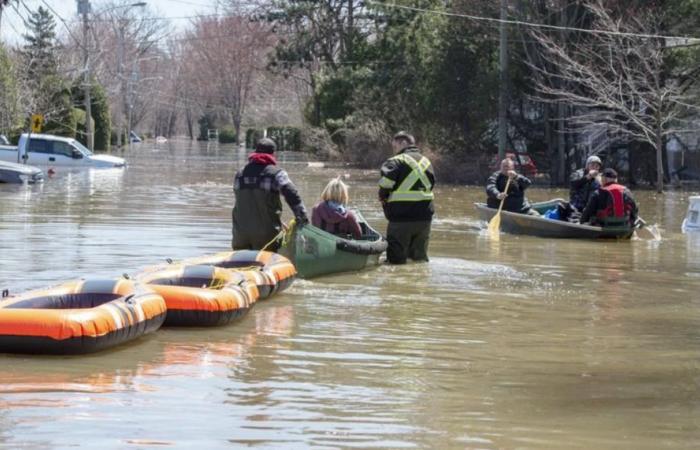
(331, 213)
(612, 205)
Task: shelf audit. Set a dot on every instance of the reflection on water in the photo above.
(525, 342)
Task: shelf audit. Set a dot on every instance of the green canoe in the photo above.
(315, 252)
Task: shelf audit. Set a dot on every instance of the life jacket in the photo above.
(617, 212)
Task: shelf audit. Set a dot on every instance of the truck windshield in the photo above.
(82, 148)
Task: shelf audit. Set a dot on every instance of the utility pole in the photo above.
(503, 83)
(122, 84)
(84, 10)
(130, 97)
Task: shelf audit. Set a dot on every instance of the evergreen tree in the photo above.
(50, 92)
(39, 51)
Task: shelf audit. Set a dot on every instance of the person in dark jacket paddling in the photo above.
(612, 205)
(256, 216)
(331, 214)
(515, 197)
(406, 195)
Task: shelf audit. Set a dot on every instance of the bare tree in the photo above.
(126, 60)
(274, 100)
(617, 77)
(225, 54)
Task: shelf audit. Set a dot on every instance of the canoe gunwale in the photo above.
(524, 224)
(377, 246)
(316, 252)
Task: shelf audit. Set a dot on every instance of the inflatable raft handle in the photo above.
(169, 260)
(5, 293)
(129, 299)
(126, 276)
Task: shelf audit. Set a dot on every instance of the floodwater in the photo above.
(525, 343)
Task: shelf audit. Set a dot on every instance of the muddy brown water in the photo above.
(527, 343)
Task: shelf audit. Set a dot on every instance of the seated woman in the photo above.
(331, 214)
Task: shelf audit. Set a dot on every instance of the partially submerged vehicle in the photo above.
(692, 217)
(50, 150)
(541, 226)
(20, 173)
(315, 252)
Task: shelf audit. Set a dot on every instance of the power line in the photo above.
(12, 25)
(163, 18)
(194, 4)
(535, 25)
(65, 24)
(492, 20)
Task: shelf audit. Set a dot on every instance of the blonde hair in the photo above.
(336, 191)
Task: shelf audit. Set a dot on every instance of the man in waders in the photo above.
(256, 216)
(406, 194)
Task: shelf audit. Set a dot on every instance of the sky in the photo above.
(176, 11)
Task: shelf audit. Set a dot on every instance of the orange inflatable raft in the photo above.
(269, 271)
(79, 317)
(198, 295)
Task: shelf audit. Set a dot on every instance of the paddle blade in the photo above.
(494, 227)
(648, 232)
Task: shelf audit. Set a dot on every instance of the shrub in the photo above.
(253, 135)
(318, 142)
(206, 122)
(227, 135)
(287, 138)
(367, 145)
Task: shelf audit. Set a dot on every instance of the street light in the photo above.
(84, 9)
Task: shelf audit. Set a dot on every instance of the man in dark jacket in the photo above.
(515, 197)
(406, 195)
(612, 205)
(257, 213)
(584, 182)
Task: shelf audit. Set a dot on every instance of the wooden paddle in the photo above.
(646, 231)
(494, 227)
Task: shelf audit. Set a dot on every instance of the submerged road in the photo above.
(528, 343)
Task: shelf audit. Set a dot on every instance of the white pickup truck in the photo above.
(50, 150)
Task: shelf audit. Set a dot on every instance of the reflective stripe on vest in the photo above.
(404, 193)
(617, 209)
(386, 183)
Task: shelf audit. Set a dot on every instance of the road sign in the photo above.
(37, 123)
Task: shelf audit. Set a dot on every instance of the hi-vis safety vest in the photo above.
(405, 191)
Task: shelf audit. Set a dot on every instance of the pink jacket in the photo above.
(335, 219)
